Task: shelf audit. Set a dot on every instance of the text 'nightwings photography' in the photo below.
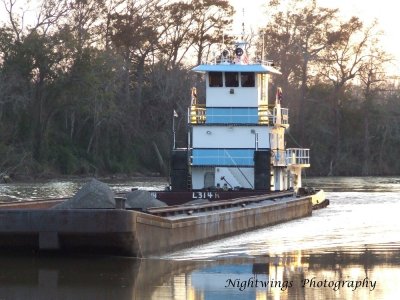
(313, 282)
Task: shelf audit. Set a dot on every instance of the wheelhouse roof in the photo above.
(231, 67)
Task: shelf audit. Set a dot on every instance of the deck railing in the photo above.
(298, 156)
(267, 115)
(197, 114)
(284, 116)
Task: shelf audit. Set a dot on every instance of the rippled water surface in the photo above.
(67, 188)
(349, 250)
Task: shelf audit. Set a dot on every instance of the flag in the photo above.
(194, 96)
(175, 114)
(245, 59)
(279, 95)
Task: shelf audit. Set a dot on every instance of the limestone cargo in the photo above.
(34, 226)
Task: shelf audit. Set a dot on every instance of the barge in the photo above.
(34, 227)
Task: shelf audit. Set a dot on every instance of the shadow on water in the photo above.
(281, 277)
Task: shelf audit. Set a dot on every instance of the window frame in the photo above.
(232, 83)
(220, 80)
(253, 79)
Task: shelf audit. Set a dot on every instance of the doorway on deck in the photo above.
(209, 179)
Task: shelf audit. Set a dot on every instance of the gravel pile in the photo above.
(94, 194)
(140, 199)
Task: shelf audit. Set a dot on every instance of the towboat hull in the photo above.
(318, 197)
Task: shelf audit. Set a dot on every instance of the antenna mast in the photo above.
(243, 25)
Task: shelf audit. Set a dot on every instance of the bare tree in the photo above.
(295, 40)
(374, 80)
(343, 61)
(177, 38)
(211, 19)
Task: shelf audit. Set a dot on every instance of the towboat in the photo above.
(236, 136)
(235, 166)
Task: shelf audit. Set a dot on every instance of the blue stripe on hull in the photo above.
(223, 157)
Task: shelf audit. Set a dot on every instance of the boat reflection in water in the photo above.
(27, 277)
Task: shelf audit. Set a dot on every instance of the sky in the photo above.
(386, 12)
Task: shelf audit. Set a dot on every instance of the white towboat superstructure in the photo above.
(237, 138)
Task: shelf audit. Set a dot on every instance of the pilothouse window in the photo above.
(231, 79)
(247, 79)
(215, 79)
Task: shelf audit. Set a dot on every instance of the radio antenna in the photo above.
(243, 25)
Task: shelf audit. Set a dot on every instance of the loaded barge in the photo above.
(235, 163)
(35, 226)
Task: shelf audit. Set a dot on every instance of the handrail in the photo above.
(267, 115)
(197, 114)
(285, 116)
(298, 156)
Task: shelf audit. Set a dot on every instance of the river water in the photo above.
(349, 250)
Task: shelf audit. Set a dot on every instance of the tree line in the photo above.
(90, 86)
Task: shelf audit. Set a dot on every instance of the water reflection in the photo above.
(288, 276)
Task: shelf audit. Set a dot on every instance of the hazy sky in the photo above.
(387, 12)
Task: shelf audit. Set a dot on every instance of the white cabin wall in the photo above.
(235, 176)
(242, 97)
(240, 137)
(198, 177)
(231, 174)
(280, 179)
(278, 138)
